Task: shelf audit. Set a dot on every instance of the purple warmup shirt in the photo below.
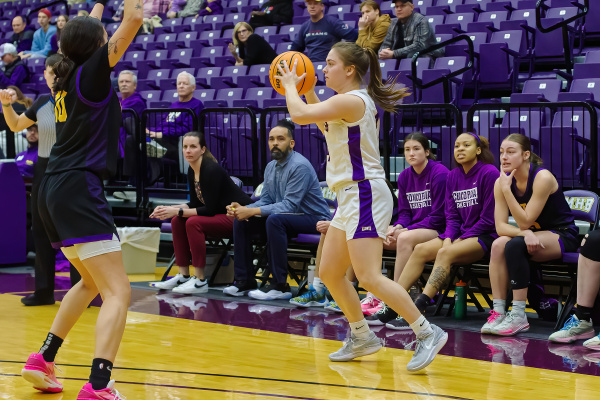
(178, 124)
(470, 202)
(26, 160)
(421, 197)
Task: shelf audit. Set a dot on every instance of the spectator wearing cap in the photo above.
(42, 37)
(22, 38)
(408, 34)
(316, 36)
(15, 72)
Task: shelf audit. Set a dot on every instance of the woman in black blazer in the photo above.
(211, 190)
(248, 48)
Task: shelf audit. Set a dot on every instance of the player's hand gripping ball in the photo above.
(304, 70)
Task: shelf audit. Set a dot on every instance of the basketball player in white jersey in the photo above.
(354, 172)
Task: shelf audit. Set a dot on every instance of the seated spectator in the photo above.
(27, 159)
(210, 8)
(22, 38)
(317, 35)
(83, 13)
(211, 190)
(249, 48)
(291, 202)
(273, 12)
(183, 8)
(372, 26)
(15, 71)
(151, 8)
(41, 37)
(130, 100)
(415, 34)
(167, 132)
(19, 102)
(580, 325)
(55, 40)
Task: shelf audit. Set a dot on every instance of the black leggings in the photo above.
(517, 262)
(591, 246)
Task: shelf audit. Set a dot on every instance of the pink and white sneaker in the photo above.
(109, 393)
(493, 321)
(41, 374)
(511, 325)
(369, 302)
(378, 306)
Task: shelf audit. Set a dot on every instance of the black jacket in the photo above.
(218, 190)
(256, 50)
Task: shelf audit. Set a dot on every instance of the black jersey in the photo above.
(556, 213)
(88, 118)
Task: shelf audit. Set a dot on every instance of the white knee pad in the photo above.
(93, 249)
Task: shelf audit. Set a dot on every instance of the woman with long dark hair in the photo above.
(61, 21)
(72, 205)
(211, 191)
(354, 172)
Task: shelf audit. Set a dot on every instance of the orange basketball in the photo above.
(304, 65)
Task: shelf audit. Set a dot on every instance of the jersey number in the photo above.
(60, 111)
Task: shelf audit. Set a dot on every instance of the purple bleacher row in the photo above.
(199, 46)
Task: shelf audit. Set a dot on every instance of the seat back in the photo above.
(584, 205)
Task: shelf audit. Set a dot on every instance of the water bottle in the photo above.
(460, 300)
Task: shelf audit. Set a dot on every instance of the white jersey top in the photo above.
(354, 147)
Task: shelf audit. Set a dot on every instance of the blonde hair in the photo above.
(237, 27)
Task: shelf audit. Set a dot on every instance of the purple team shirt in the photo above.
(470, 202)
(26, 160)
(421, 197)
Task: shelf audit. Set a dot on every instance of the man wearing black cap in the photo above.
(407, 34)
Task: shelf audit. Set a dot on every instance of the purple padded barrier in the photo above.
(584, 205)
(166, 227)
(549, 88)
(12, 197)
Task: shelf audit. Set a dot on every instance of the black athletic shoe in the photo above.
(398, 324)
(382, 317)
(37, 300)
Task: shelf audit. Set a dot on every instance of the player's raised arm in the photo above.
(130, 25)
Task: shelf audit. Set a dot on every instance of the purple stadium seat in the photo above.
(169, 41)
(208, 72)
(289, 30)
(204, 94)
(210, 35)
(187, 37)
(482, 122)
(549, 88)
(405, 66)
(592, 56)
(235, 17)
(462, 19)
(527, 15)
(158, 74)
(170, 95)
(421, 4)
(212, 52)
(339, 10)
(214, 19)
(442, 37)
(151, 95)
(527, 122)
(495, 17)
(587, 70)
(435, 20)
(454, 64)
(256, 95)
(283, 47)
(587, 86)
(265, 31)
(155, 56)
(498, 5)
(229, 95)
(323, 92)
(132, 57)
(386, 66)
(179, 58)
(450, 3)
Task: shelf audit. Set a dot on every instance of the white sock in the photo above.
(518, 308)
(419, 325)
(360, 329)
(500, 306)
(318, 285)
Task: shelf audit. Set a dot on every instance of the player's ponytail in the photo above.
(80, 38)
(63, 70)
(387, 96)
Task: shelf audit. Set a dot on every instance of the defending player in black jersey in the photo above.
(72, 205)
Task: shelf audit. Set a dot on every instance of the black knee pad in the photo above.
(591, 246)
(517, 262)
